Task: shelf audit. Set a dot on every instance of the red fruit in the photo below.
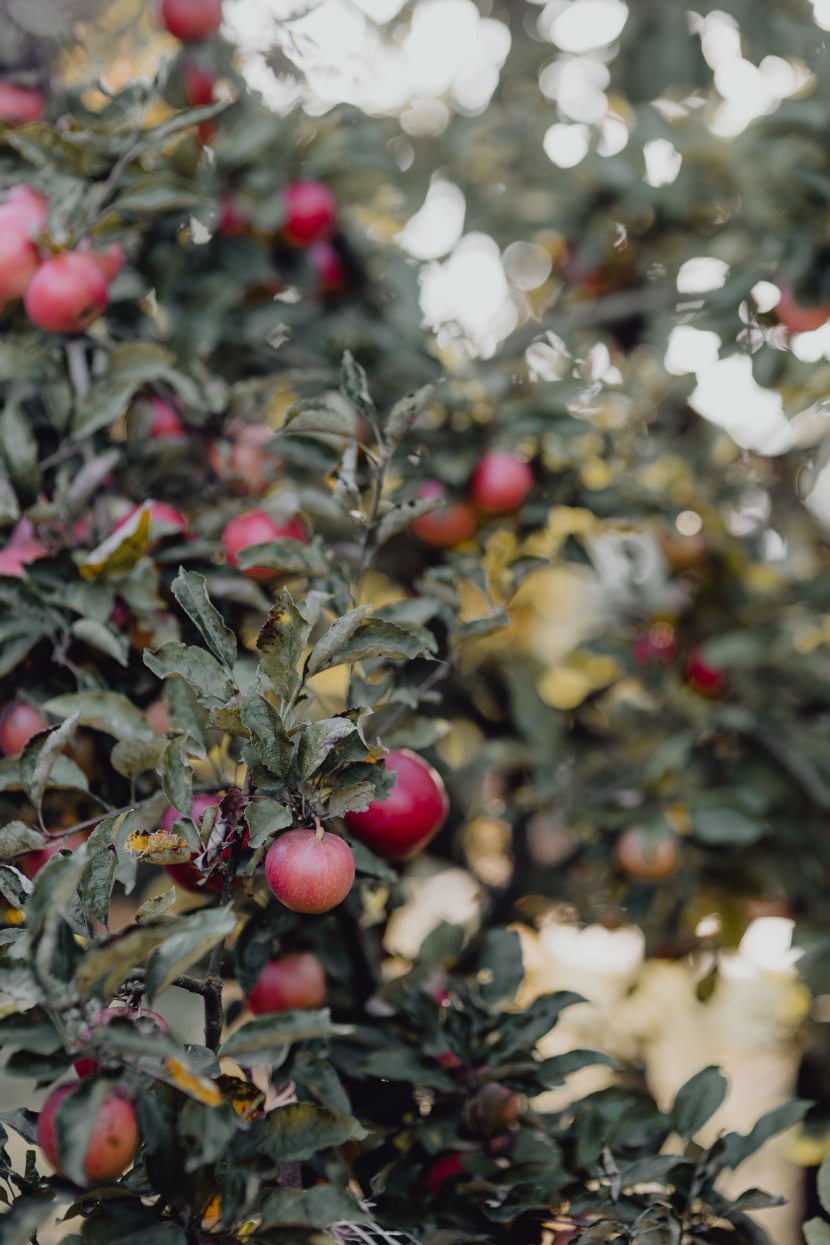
(32, 863)
(187, 875)
(26, 206)
(147, 1021)
(190, 20)
(114, 1141)
(292, 981)
(164, 421)
(657, 644)
(255, 527)
(310, 213)
(331, 274)
(412, 813)
(158, 717)
(66, 293)
(449, 1165)
(198, 84)
(704, 678)
(307, 873)
(800, 319)
(19, 104)
(242, 461)
(110, 261)
(19, 259)
(18, 723)
(500, 482)
(646, 855)
(450, 525)
(447, 1059)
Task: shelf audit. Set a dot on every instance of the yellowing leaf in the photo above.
(196, 1087)
(121, 551)
(158, 848)
(244, 1097)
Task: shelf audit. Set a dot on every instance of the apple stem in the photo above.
(319, 831)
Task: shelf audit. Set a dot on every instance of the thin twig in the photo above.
(440, 671)
(81, 825)
(371, 523)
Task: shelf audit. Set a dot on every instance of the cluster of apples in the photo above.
(500, 483)
(61, 293)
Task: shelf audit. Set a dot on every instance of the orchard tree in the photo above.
(265, 539)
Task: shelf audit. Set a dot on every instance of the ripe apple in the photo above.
(66, 293)
(646, 855)
(255, 527)
(187, 875)
(20, 105)
(32, 863)
(450, 525)
(446, 1167)
(310, 213)
(18, 723)
(110, 261)
(307, 873)
(164, 421)
(114, 1141)
(241, 459)
(703, 677)
(799, 319)
(27, 207)
(412, 813)
(289, 982)
(198, 84)
(331, 272)
(145, 1021)
(190, 20)
(19, 259)
(500, 482)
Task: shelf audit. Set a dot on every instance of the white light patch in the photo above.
(663, 162)
(471, 290)
(436, 228)
(613, 136)
(701, 274)
(768, 944)
(527, 265)
(720, 38)
(821, 13)
(691, 350)
(810, 347)
(580, 90)
(566, 145)
(766, 296)
(587, 24)
(727, 394)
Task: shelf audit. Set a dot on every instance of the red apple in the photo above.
(18, 723)
(704, 678)
(114, 1142)
(110, 261)
(656, 644)
(20, 105)
(66, 293)
(800, 319)
(186, 874)
(307, 873)
(198, 84)
(331, 273)
(32, 863)
(310, 213)
(27, 207)
(255, 527)
(289, 982)
(144, 1020)
(500, 482)
(449, 1165)
(412, 813)
(19, 259)
(164, 421)
(647, 855)
(449, 525)
(242, 460)
(190, 20)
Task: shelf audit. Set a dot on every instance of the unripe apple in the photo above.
(308, 873)
(18, 723)
(411, 814)
(452, 524)
(114, 1141)
(289, 982)
(190, 20)
(241, 460)
(500, 482)
(799, 319)
(255, 527)
(19, 259)
(19, 105)
(145, 1021)
(310, 213)
(66, 293)
(647, 855)
(329, 267)
(187, 875)
(446, 1167)
(704, 678)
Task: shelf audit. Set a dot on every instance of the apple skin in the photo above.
(310, 213)
(114, 1142)
(704, 678)
(411, 815)
(187, 875)
(66, 293)
(241, 459)
(19, 105)
(19, 259)
(307, 873)
(647, 856)
(158, 717)
(255, 527)
(32, 863)
(87, 1065)
(326, 262)
(452, 524)
(449, 1165)
(190, 20)
(18, 723)
(500, 482)
(799, 319)
(293, 981)
(198, 84)
(164, 421)
(27, 207)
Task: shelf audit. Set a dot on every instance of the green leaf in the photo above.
(19, 451)
(726, 825)
(501, 969)
(265, 818)
(318, 740)
(14, 887)
(354, 384)
(131, 757)
(208, 678)
(318, 1207)
(64, 773)
(179, 952)
(295, 1133)
(39, 756)
(288, 556)
(269, 738)
(33, 1030)
(190, 590)
(95, 886)
(176, 776)
(737, 1148)
(404, 513)
(75, 1122)
(338, 635)
(97, 635)
(107, 964)
(17, 837)
(816, 1232)
(109, 712)
(159, 191)
(308, 417)
(282, 642)
(353, 799)
(267, 1038)
(378, 639)
(403, 416)
(155, 906)
(697, 1101)
(823, 1183)
(104, 404)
